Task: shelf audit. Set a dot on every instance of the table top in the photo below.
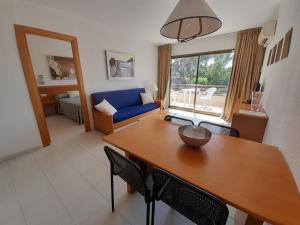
(250, 176)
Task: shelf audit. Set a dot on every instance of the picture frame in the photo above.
(287, 44)
(120, 65)
(61, 68)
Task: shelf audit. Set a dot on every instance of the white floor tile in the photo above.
(51, 217)
(7, 189)
(104, 217)
(85, 205)
(230, 221)
(48, 204)
(15, 219)
(232, 211)
(30, 183)
(99, 154)
(103, 188)
(10, 209)
(85, 162)
(97, 174)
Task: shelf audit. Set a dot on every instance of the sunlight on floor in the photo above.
(196, 117)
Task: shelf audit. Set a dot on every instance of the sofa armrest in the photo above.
(103, 122)
(159, 103)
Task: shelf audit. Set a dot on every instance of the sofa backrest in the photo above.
(119, 99)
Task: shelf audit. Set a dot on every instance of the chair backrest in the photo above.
(194, 203)
(129, 171)
(210, 92)
(178, 120)
(220, 129)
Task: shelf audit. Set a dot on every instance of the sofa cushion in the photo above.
(105, 107)
(146, 98)
(119, 99)
(131, 111)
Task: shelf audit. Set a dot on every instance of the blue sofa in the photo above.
(129, 105)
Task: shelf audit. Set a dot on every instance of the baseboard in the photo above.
(15, 155)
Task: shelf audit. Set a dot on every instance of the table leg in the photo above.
(242, 218)
(253, 221)
(130, 189)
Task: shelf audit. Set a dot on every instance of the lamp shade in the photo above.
(151, 87)
(155, 88)
(190, 19)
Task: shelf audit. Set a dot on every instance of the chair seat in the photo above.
(131, 111)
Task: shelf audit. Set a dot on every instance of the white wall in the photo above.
(282, 87)
(205, 44)
(18, 128)
(40, 48)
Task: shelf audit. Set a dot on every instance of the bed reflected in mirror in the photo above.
(54, 71)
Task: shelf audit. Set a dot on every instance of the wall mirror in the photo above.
(52, 71)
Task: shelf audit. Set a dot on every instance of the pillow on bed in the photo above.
(106, 108)
(73, 93)
(61, 95)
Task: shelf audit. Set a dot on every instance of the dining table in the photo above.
(250, 176)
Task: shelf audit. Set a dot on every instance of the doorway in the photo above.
(53, 75)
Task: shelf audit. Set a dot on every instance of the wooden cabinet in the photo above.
(50, 106)
(251, 127)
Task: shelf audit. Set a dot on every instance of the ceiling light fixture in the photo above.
(190, 19)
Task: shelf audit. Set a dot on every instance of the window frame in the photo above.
(198, 61)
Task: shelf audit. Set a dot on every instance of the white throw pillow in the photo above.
(106, 108)
(146, 98)
(73, 93)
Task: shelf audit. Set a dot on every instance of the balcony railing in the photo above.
(183, 96)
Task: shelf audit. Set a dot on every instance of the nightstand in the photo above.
(50, 106)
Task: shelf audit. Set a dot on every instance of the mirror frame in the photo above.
(31, 82)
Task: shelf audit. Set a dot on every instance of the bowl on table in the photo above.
(194, 136)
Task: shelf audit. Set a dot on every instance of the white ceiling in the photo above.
(144, 18)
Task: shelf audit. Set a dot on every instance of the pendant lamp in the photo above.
(190, 19)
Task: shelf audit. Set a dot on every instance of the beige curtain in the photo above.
(164, 69)
(246, 68)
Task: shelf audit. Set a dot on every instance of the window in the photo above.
(199, 82)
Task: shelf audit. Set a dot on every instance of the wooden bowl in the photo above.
(194, 136)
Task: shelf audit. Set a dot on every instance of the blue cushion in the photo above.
(119, 99)
(132, 111)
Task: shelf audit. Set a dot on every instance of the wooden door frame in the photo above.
(21, 32)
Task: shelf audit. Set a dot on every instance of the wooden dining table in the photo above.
(247, 175)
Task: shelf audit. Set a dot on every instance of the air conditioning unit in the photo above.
(267, 33)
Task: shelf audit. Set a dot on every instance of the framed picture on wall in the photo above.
(287, 44)
(120, 66)
(61, 68)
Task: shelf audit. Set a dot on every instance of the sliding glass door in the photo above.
(199, 82)
(183, 82)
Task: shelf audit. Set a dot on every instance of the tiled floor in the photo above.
(67, 183)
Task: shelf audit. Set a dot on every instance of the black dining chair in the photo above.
(178, 120)
(132, 174)
(220, 129)
(194, 203)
